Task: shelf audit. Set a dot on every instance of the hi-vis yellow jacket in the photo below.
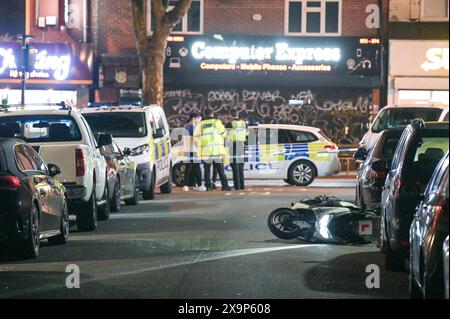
(239, 131)
(209, 137)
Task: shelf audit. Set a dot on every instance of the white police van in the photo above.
(296, 154)
(146, 132)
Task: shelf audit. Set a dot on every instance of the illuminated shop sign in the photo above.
(46, 66)
(280, 52)
(55, 63)
(266, 55)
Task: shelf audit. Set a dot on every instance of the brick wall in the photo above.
(115, 30)
(235, 17)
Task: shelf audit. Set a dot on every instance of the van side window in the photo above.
(158, 119)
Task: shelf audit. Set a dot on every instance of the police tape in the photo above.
(344, 150)
(196, 159)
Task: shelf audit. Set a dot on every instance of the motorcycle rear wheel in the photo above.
(280, 223)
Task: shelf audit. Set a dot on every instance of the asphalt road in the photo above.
(202, 245)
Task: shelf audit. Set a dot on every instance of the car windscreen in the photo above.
(401, 117)
(40, 128)
(118, 124)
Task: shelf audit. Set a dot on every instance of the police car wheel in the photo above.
(178, 174)
(301, 173)
(150, 193)
(167, 187)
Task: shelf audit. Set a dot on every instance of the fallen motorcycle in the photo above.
(325, 219)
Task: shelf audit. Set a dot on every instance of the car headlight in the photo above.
(139, 150)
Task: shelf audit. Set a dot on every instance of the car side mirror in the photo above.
(159, 133)
(126, 151)
(380, 166)
(360, 155)
(53, 170)
(104, 140)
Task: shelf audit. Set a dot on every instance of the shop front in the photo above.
(331, 83)
(418, 72)
(61, 72)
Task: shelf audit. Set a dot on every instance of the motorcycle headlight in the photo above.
(139, 150)
(323, 227)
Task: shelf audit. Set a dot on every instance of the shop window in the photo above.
(320, 17)
(191, 23)
(434, 10)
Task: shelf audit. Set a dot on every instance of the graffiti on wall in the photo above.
(341, 115)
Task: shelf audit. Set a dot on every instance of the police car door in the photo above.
(267, 158)
(161, 142)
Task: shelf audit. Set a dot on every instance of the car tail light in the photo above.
(378, 175)
(398, 187)
(439, 209)
(80, 163)
(330, 147)
(9, 183)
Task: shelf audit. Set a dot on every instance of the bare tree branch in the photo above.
(178, 12)
(158, 8)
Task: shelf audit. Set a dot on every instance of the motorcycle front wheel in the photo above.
(281, 223)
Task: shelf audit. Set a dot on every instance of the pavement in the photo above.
(202, 246)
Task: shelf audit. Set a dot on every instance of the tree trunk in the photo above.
(153, 72)
(152, 51)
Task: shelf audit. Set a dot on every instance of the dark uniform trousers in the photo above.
(217, 163)
(237, 164)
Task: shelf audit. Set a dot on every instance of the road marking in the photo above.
(201, 258)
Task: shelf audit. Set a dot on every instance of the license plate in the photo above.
(365, 227)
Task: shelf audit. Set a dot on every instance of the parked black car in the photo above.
(33, 204)
(369, 182)
(123, 182)
(427, 234)
(445, 256)
(421, 147)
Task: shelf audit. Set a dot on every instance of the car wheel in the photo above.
(433, 284)
(393, 261)
(178, 174)
(29, 249)
(414, 290)
(167, 187)
(135, 199)
(150, 193)
(87, 217)
(115, 200)
(63, 237)
(105, 210)
(301, 173)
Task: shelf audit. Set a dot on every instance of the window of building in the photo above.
(191, 23)
(434, 10)
(319, 17)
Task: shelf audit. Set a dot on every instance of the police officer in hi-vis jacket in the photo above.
(237, 135)
(209, 137)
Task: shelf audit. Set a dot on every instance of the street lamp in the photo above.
(26, 61)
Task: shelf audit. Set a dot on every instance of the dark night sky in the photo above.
(12, 17)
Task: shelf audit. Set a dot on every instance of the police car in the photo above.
(146, 132)
(293, 153)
